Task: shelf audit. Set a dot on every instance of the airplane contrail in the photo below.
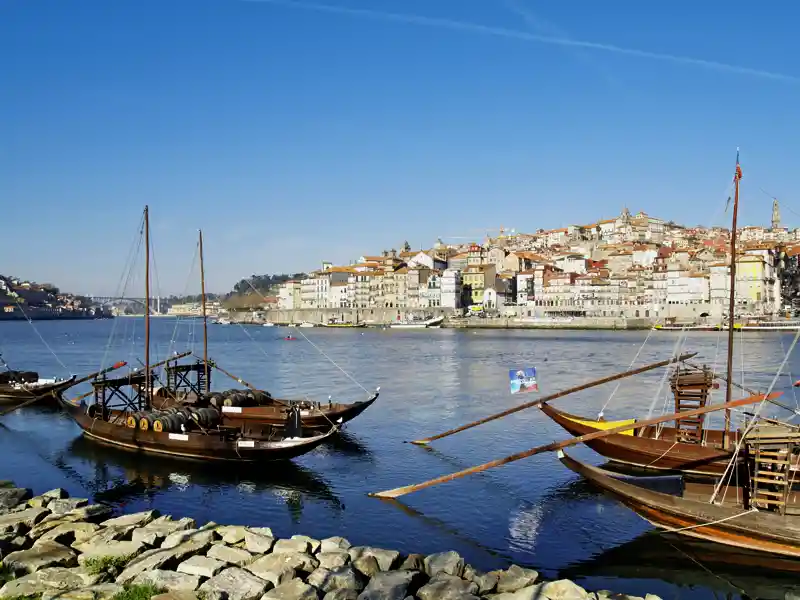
(528, 37)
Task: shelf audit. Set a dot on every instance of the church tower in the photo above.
(776, 215)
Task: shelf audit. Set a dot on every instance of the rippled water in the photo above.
(532, 512)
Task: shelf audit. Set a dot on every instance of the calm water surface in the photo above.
(532, 512)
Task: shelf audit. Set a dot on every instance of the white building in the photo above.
(451, 288)
(431, 292)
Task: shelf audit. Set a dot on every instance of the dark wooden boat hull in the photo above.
(730, 525)
(192, 445)
(10, 396)
(315, 420)
(644, 451)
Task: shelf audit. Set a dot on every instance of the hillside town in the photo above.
(631, 266)
(21, 299)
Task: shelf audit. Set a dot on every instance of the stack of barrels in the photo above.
(238, 398)
(174, 420)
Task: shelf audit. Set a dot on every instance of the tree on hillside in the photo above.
(264, 283)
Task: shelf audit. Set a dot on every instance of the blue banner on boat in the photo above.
(523, 380)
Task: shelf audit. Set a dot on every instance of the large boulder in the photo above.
(168, 580)
(237, 584)
(165, 558)
(450, 563)
(393, 585)
(294, 589)
(40, 556)
(385, 558)
(328, 580)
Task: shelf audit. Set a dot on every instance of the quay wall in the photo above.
(381, 316)
(56, 547)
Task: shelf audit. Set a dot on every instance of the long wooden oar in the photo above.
(163, 362)
(402, 491)
(578, 388)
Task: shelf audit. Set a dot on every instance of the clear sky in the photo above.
(296, 132)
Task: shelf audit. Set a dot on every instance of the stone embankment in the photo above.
(56, 547)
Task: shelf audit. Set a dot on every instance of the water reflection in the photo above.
(119, 477)
(692, 563)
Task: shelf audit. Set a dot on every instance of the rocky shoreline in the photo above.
(56, 547)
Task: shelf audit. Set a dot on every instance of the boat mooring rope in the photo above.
(317, 348)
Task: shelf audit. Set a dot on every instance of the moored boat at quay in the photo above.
(124, 412)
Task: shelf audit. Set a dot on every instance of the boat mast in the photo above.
(147, 303)
(732, 299)
(205, 314)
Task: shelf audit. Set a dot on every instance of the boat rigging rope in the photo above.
(333, 362)
(46, 345)
(676, 352)
(696, 525)
(630, 367)
(185, 290)
(752, 423)
(122, 285)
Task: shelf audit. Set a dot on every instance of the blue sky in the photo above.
(294, 133)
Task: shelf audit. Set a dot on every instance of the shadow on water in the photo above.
(693, 563)
(347, 444)
(120, 476)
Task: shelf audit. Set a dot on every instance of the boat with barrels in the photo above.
(126, 411)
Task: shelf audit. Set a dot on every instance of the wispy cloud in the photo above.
(529, 37)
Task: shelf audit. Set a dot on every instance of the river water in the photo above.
(533, 512)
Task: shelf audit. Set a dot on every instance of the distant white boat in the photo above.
(418, 324)
(221, 321)
(268, 325)
(306, 324)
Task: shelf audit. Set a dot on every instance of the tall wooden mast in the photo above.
(147, 303)
(732, 300)
(205, 313)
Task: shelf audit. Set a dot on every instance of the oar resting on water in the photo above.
(572, 390)
(408, 489)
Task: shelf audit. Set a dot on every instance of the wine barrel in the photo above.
(131, 422)
(146, 422)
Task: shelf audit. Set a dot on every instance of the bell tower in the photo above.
(776, 215)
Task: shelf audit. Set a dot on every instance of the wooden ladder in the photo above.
(770, 477)
(690, 389)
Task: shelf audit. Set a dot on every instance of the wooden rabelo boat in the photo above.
(125, 414)
(189, 385)
(26, 387)
(689, 446)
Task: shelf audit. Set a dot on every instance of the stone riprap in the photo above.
(53, 546)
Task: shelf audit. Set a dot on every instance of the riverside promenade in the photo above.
(56, 547)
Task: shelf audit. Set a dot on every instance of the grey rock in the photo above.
(46, 554)
(294, 589)
(69, 533)
(54, 578)
(515, 578)
(156, 531)
(413, 562)
(445, 562)
(168, 580)
(386, 558)
(101, 591)
(237, 584)
(124, 551)
(654, 597)
(273, 568)
(332, 560)
(104, 535)
(470, 573)
(234, 556)
(314, 545)
(139, 519)
(91, 513)
(392, 585)
(179, 595)
(563, 589)
(486, 583)
(257, 543)
(341, 595)
(56, 494)
(334, 544)
(63, 506)
(328, 580)
(165, 558)
(366, 565)
(11, 496)
(232, 534)
(301, 546)
(38, 502)
(202, 566)
(27, 518)
(448, 587)
(180, 537)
